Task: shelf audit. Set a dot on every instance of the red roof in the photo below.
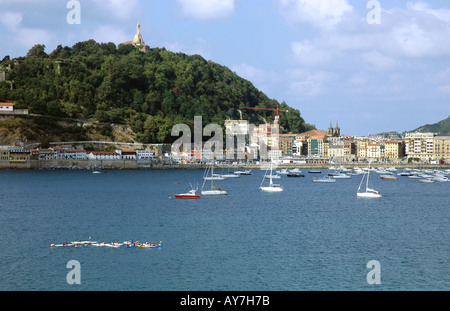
(6, 104)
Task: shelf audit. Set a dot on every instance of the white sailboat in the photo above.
(213, 176)
(272, 187)
(369, 193)
(283, 171)
(230, 175)
(325, 179)
(213, 190)
(244, 172)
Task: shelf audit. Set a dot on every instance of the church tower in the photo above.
(337, 131)
(330, 130)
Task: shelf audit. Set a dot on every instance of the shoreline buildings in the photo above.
(247, 143)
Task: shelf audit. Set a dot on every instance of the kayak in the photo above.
(129, 243)
(115, 245)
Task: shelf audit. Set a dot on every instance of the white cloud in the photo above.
(11, 20)
(442, 14)
(445, 89)
(414, 31)
(200, 46)
(319, 13)
(413, 40)
(207, 9)
(305, 83)
(308, 54)
(247, 71)
(378, 61)
(358, 79)
(121, 9)
(105, 34)
(262, 79)
(445, 74)
(29, 37)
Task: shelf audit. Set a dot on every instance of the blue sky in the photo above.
(322, 57)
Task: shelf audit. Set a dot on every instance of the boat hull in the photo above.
(385, 177)
(324, 180)
(341, 176)
(187, 196)
(427, 181)
(214, 192)
(214, 178)
(368, 195)
(271, 189)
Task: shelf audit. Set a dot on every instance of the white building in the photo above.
(8, 107)
(103, 155)
(145, 154)
(75, 154)
(127, 154)
(419, 145)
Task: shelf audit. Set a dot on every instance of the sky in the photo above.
(370, 66)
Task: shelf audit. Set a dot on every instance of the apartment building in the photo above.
(419, 146)
(441, 148)
(394, 149)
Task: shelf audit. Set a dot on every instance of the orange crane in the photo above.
(277, 110)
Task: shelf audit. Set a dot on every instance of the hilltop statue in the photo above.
(138, 39)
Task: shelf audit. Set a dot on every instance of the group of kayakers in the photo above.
(128, 243)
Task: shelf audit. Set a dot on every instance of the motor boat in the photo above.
(192, 194)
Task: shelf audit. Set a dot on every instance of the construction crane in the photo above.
(277, 118)
(278, 110)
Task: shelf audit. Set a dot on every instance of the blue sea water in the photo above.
(310, 237)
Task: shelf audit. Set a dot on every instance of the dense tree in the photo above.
(151, 92)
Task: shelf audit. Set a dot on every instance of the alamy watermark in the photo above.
(374, 16)
(74, 15)
(374, 275)
(74, 275)
(243, 141)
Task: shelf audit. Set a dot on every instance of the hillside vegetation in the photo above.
(149, 92)
(442, 127)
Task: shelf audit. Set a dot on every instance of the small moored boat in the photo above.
(192, 194)
(388, 177)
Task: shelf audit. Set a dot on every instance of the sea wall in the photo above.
(158, 165)
(109, 164)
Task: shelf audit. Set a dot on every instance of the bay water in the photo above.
(311, 237)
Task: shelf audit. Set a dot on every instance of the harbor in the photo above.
(170, 165)
(311, 236)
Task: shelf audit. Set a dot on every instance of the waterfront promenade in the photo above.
(167, 165)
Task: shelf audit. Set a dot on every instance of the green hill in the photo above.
(150, 92)
(439, 127)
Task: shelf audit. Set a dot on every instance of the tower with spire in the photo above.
(337, 131)
(331, 130)
(334, 132)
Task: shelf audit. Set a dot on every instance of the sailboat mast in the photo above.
(362, 179)
(270, 176)
(367, 181)
(212, 174)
